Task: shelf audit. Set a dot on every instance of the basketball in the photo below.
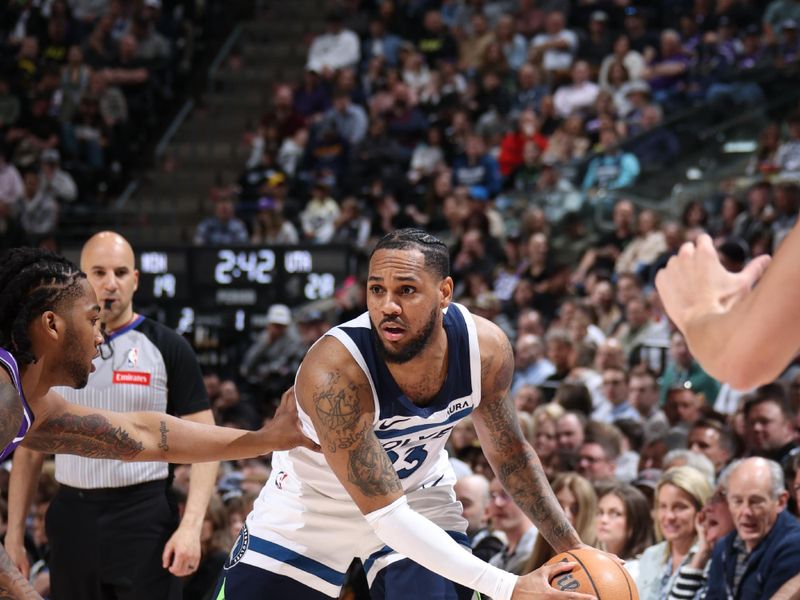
(596, 573)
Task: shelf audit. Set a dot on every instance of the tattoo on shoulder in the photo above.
(346, 427)
(92, 436)
(10, 413)
(339, 410)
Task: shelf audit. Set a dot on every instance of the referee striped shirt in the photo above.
(144, 366)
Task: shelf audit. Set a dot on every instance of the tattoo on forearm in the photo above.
(346, 427)
(519, 468)
(10, 414)
(92, 436)
(13, 586)
(339, 411)
(163, 443)
(370, 469)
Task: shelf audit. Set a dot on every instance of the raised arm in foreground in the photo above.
(741, 335)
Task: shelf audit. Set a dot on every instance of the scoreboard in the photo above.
(232, 285)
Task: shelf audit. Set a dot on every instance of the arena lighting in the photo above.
(740, 147)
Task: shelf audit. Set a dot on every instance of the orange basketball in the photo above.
(596, 574)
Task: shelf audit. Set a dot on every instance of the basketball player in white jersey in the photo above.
(740, 334)
(381, 394)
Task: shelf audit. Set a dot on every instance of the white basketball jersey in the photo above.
(414, 437)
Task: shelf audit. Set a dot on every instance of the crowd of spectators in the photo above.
(83, 86)
(494, 124)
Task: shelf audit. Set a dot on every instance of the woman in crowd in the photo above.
(624, 524)
(681, 494)
(579, 501)
(544, 436)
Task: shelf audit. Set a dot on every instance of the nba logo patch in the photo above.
(239, 548)
(133, 358)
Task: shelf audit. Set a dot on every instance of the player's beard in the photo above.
(412, 347)
(76, 369)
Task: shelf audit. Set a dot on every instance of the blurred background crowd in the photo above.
(564, 150)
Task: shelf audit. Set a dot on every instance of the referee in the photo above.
(113, 527)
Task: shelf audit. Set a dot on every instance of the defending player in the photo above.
(381, 394)
(49, 335)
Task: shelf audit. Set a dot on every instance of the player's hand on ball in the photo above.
(284, 428)
(536, 585)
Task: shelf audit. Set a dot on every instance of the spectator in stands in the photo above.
(624, 524)
(786, 202)
(544, 442)
(613, 168)
(477, 167)
(520, 533)
(683, 369)
(530, 88)
(335, 49)
(349, 119)
(597, 458)
(473, 493)
(713, 523)
(615, 389)
(531, 366)
(232, 411)
(270, 363)
(639, 329)
(579, 502)
(769, 422)
(12, 235)
(10, 105)
(223, 228)
(270, 226)
(555, 48)
(38, 209)
(754, 219)
(667, 73)
(645, 248)
(380, 43)
(11, 184)
(658, 147)
(787, 158)
(579, 95)
(53, 179)
(434, 41)
(714, 440)
(512, 148)
(570, 433)
(680, 496)
(35, 132)
(776, 13)
(319, 216)
(512, 43)
(622, 53)
(644, 396)
(686, 458)
(761, 555)
(642, 39)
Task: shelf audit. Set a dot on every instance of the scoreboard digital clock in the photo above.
(240, 277)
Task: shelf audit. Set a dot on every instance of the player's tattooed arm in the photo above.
(334, 392)
(61, 427)
(91, 435)
(13, 586)
(509, 453)
(10, 413)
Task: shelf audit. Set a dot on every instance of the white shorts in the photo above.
(297, 532)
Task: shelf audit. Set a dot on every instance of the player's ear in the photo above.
(446, 291)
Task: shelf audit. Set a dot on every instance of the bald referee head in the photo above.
(109, 263)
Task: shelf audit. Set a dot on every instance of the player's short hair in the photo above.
(435, 251)
(32, 281)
